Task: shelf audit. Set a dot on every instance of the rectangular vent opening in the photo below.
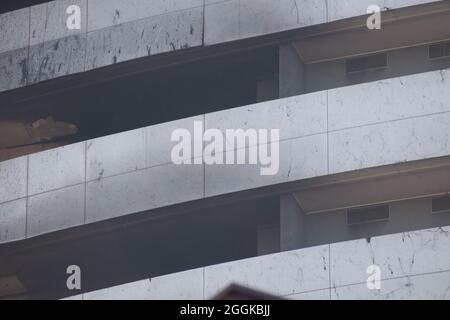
(439, 50)
(374, 61)
(367, 214)
(440, 204)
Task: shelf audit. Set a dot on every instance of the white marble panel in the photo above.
(106, 13)
(142, 38)
(49, 20)
(300, 158)
(341, 9)
(57, 168)
(280, 274)
(13, 179)
(397, 255)
(143, 190)
(12, 220)
(389, 99)
(114, 154)
(158, 144)
(238, 19)
(15, 29)
(57, 58)
(13, 69)
(55, 210)
(390, 142)
(186, 285)
(435, 286)
(294, 117)
(311, 295)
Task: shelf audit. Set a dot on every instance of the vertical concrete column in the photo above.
(292, 222)
(291, 72)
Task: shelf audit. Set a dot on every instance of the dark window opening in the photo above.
(144, 99)
(439, 50)
(367, 214)
(440, 204)
(374, 61)
(12, 5)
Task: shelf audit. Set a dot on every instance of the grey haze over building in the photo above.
(86, 170)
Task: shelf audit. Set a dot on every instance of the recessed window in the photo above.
(374, 61)
(368, 214)
(439, 50)
(440, 204)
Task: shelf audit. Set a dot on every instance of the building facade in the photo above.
(156, 149)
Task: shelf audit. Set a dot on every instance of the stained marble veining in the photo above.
(154, 35)
(49, 20)
(57, 58)
(13, 69)
(238, 19)
(397, 255)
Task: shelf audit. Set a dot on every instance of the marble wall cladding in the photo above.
(118, 153)
(158, 144)
(106, 13)
(13, 179)
(14, 30)
(13, 69)
(143, 190)
(141, 38)
(57, 58)
(56, 210)
(389, 142)
(56, 168)
(12, 220)
(295, 117)
(434, 286)
(280, 274)
(138, 290)
(341, 9)
(49, 20)
(186, 285)
(238, 19)
(310, 295)
(414, 265)
(397, 255)
(389, 99)
(300, 158)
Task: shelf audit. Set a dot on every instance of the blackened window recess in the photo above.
(366, 63)
(156, 96)
(440, 204)
(11, 5)
(439, 50)
(367, 214)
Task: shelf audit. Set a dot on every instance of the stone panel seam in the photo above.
(301, 292)
(56, 189)
(85, 183)
(329, 269)
(27, 197)
(328, 136)
(142, 19)
(414, 275)
(390, 121)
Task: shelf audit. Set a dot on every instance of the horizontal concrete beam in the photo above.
(413, 265)
(341, 130)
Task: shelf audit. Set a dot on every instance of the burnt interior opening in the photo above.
(150, 97)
